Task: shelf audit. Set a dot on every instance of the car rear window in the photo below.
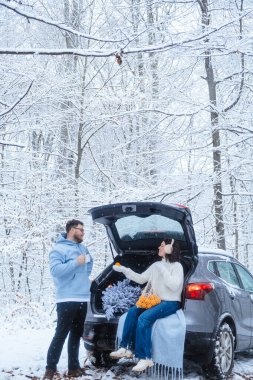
(227, 272)
(211, 267)
(134, 227)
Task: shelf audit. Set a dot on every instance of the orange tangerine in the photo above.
(117, 264)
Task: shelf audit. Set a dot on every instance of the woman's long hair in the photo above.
(175, 254)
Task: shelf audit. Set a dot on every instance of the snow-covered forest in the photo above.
(117, 100)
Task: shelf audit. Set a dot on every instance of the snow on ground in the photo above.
(23, 355)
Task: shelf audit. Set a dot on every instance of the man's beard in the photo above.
(78, 239)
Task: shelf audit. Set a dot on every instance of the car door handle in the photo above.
(232, 294)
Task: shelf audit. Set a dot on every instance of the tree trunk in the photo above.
(217, 166)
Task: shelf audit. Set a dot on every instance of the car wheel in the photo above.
(107, 360)
(95, 358)
(101, 359)
(223, 356)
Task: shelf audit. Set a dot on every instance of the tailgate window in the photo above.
(134, 227)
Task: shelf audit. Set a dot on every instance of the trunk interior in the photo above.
(138, 262)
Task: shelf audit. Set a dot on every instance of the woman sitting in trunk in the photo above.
(166, 278)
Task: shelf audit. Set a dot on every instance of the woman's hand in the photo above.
(120, 268)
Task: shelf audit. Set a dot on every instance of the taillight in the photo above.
(198, 291)
(182, 206)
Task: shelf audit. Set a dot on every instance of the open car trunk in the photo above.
(138, 263)
(135, 231)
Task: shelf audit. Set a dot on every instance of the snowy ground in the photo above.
(23, 352)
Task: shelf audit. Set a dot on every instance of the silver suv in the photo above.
(218, 292)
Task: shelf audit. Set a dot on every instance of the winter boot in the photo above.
(76, 372)
(121, 353)
(49, 374)
(143, 364)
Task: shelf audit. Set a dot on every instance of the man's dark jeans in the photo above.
(70, 319)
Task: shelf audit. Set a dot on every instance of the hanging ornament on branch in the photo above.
(118, 58)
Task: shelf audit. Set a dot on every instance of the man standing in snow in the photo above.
(70, 266)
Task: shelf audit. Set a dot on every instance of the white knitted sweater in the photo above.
(166, 279)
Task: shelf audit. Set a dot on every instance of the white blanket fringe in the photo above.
(163, 372)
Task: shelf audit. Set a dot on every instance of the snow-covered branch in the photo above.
(122, 51)
(11, 143)
(241, 85)
(17, 101)
(17, 9)
(74, 52)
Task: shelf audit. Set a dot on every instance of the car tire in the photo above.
(222, 361)
(95, 358)
(101, 359)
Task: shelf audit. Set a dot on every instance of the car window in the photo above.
(227, 272)
(211, 267)
(246, 278)
(134, 227)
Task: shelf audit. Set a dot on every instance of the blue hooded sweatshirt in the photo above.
(71, 279)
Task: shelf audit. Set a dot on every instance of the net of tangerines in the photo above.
(146, 302)
(147, 299)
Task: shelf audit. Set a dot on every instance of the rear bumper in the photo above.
(101, 336)
(199, 347)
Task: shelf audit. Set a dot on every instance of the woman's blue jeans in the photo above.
(138, 326)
